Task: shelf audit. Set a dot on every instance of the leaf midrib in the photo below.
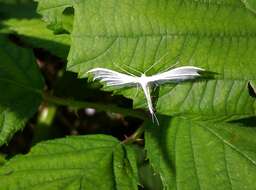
(174, 34)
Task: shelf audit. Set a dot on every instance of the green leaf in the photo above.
(198, 146)
(223, 99)
(137, 34)
(53, 14)
(195, 154)
(35, 33)
(20, 84)
(89, 162)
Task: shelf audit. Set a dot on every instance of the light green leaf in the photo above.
(89, 162)
(20, 84)
(53, 14)
(36, 34)
(195, 154)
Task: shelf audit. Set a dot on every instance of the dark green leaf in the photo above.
(20, 84)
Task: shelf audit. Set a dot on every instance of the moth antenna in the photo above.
(171, 66)
(127, 72)
(133, 69)
(154, 64)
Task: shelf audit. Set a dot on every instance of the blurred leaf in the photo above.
(20, 84)
(91, 162)
(44, 128)
(35, 33)
(195, 154)
(2, 159)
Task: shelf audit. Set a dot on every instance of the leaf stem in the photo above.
(98, 106)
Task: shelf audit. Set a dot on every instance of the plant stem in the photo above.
(135, 136)
(98, 106)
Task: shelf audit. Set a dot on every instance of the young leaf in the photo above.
(89, 162)
(196, 154)
(20, 84)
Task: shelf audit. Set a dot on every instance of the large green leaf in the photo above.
(20, 84)
(90, 162)
(195, 154)
(35, 33)
(217, 36)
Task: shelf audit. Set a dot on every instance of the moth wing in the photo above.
(112, 78)
(177, 75)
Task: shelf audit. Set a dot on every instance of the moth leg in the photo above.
(154, 119)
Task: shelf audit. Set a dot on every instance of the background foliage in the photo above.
(206, 135)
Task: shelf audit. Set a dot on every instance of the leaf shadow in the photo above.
(251, 89)
(18, 10)
(245, 122)
(55, 48)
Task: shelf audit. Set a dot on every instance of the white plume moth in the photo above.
(114, 78)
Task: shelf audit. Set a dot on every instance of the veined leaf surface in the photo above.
(218, 36)
(91, 162)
